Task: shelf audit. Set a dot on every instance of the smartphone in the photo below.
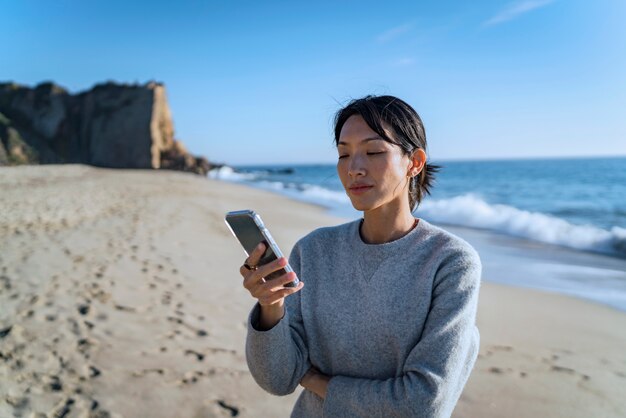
(248, 228)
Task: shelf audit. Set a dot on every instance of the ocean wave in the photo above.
(470, 210)
(467, 210)
(230, 174)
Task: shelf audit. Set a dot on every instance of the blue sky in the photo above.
(259, 82)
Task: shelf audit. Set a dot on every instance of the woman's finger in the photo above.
(273, 297)
(254, 278)
(269, 268)
(280, 282)
(256, 254)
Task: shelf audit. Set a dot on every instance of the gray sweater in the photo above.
(393, 324)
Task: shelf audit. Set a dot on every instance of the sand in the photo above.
(120, 297)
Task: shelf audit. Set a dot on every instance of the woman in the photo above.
(385, 325)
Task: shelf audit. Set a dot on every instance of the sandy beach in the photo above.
(120, 297)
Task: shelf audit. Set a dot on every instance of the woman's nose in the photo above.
(356, 167)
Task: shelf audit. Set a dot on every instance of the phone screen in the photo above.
(249, 235)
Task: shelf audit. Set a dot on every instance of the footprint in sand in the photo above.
(166, 298)
(141, 373)
(27, 314)
(83, 308)
(491, 350)
(84, 346)
(125, 308)
(93, 371)
(5, 284)
(569, 371)
(197, 331)
(52, 383)
(74, 326)
(500, 370)
(5, 331)
(234, 411)
(221, 350)
(191, 377)
(63, 409)
(199, 356)
(17, 402)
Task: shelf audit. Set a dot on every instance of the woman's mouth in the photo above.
(359, 189)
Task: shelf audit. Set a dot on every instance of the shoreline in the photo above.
(120, 294)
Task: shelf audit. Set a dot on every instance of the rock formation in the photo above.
(111, 125)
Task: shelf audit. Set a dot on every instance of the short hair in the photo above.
(407, 132)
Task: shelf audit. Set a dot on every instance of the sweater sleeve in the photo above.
(437, 367)
(278, 358)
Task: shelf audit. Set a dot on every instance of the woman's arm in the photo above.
(437, 368)
(276, 347)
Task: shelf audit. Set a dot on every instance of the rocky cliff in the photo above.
(111, 125)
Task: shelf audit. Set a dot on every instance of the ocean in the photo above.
(577, 204)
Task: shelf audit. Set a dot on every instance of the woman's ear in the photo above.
(418, 160)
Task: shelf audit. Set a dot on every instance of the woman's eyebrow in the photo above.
(373, 138)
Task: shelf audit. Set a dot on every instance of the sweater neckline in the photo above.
(385, 247)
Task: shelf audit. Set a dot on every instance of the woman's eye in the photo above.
(342, 156)
(375, 153)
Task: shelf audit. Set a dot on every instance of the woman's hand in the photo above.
(316, 382)
(270, 294)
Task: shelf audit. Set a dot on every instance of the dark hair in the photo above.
(407, 131)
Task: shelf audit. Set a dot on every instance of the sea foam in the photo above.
(470, 210)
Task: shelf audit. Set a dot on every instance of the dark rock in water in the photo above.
(111, 125)
(264, 170)
(282, 171)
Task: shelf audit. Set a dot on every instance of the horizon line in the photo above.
(453, 159)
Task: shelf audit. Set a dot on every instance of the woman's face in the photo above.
(373, 171)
